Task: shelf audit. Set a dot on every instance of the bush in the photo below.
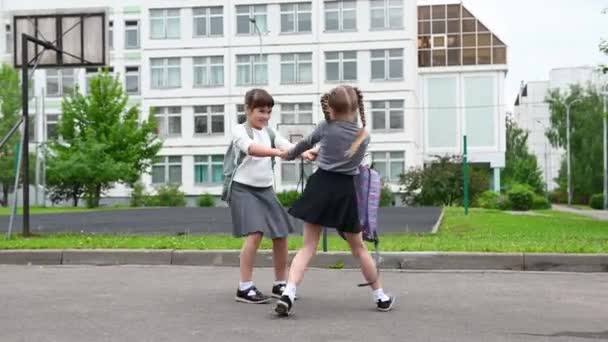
(557, 196)
(488, 200)
(521, 197)
(386, 196)
(138, 195)
(540, 203)
(288, 198)
(170, 196)
(206, 201)
(504, 203)
(597, 201)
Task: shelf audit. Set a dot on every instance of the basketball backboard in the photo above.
(295, 132)
(79, 33)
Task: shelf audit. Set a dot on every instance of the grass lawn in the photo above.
(481, 231)
(56, 210)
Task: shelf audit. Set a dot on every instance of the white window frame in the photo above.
(208, 63)
(387, 64)
(252, 63)
(209, 163)
(51, 120)
(387, 8)
(295, 13)
(297, 62)
(387, 158)
(133, 71)
(207, 15)
(130, 27)
(163, 116)
(308, 170)
(240, 113)
(445, 41)
(165, 72)
(209, 112)
(386, 111)
(61, 76)
(166, 162)
(254, 11)
(164, 18)
(297, 113)
(340, 10)
(341, 60)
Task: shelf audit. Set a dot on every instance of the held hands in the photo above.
(310, 155)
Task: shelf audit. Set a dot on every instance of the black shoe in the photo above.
(284, 306)
(256, 297)
(386, 305)
(277, 291)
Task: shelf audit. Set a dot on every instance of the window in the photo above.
(132, 79)
(166, 73)
(169, 120)
(341, 66)
(291, 171)
(111, 35)
(340, 15)
(209, 169)
(208, 119)
(165, 23)
(252, 70)
(387, 64)
(390, 165)
(296, 113)
(246, 12)
(241, 116)
(387, 115)
(60, 82)
(208, 71)
(92, 72)
(51, 126)
(9, 38)
(167, 170)
(131, 34)
(296, 68)
(208, 21)
(296, 17)
(386, 14)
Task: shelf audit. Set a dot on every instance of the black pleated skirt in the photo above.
(330, 201)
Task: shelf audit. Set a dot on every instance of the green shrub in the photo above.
(206, 201)
(170, 196)
(488, 200)
(138, 195)
(597, 201)
(521, 197)
(540, 203)
(288, 198)
(386, 196)
(557, 196)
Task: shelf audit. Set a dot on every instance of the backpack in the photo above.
(234, 158)
(368, 186)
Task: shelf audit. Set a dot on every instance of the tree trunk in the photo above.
(4, 195)
(75, 192)
(97, 194)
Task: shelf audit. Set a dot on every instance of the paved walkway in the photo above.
(196, 220)
(597, 214)
(174, 303)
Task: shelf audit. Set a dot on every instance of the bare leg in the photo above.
(248, 252)
(300, 262)
(279, 258)
(368, 267)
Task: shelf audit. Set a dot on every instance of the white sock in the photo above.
(290, 291)
(244, 285)
(379, 295)
(279, 282)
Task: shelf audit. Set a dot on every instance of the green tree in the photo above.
(585, 138)
(440, 183)
(521, 166)
(10, 96)
(102, 142)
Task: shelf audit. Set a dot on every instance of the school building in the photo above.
(430, 72)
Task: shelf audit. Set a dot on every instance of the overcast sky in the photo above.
(544, 34)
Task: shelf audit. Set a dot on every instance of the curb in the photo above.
(335, 260)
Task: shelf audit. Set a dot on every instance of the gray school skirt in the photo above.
(255, 210)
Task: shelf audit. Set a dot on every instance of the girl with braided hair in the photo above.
(329, 199)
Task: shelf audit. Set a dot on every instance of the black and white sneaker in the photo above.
(284, 306)
(251, 296)
(277, 291)
(387, 305)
